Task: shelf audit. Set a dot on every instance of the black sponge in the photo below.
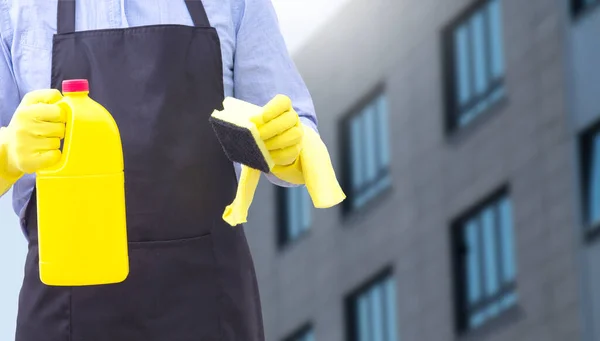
(239, 144)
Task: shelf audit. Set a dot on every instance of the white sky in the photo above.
(298, 19)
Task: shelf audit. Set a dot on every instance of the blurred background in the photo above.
(466, 134)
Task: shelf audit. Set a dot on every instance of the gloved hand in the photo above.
(299, 157)
(281, 130)
(32, 139)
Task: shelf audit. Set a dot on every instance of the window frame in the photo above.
(452, 112)
(283, 238)
(462, 309)
(346, 155)
(300, 332)
(578, 9)
(350, 306)
(591, 229)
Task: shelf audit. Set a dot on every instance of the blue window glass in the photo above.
(489, 245)
(374, 312)
(310, 336)
(473, 258)
(293, 221)
(590, 156)
(368, 153)
(507, 243)
(382, 131)
(496, 39)
(364, 322)
(357, 142)
(479, 53)
(478, 67)
(594, 188)
(370, 141)
(376, 316)
(580, 6)
(391, 330)
(305, 334)
(461, 49)
(296, 209)
(485, 259)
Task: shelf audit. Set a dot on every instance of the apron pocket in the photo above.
(170, 294)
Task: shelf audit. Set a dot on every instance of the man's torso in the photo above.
(29, 25)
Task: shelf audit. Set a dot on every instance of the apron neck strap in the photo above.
(66, 15)
(198, 13)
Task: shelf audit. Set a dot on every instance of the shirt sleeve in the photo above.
(9, 93)
(263, 67)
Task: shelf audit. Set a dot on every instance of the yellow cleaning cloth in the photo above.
(237, 212)
(312, 168)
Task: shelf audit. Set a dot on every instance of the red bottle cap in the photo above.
(75, 85)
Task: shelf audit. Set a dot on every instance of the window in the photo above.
(295, 207)
(372, 311)
(367, 152)
(475, 63)
(580, 6)
(305, 334)
(590, 156)
(484, 263)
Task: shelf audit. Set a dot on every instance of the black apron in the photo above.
(191, 275)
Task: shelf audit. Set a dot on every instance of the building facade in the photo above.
(467, 136)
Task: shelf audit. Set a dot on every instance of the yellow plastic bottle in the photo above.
(81, 200)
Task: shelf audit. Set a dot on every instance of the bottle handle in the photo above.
(65, 142)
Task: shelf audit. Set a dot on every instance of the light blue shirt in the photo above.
(256, 63)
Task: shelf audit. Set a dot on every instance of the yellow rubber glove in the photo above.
(299, 154)
(281, 131)
(7, 175)
(299, 157)
(279, 127)
(32, 139)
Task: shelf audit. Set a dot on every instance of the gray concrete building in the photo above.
(467, 136)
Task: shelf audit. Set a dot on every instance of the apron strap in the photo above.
(66, 15)
(198, 13)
